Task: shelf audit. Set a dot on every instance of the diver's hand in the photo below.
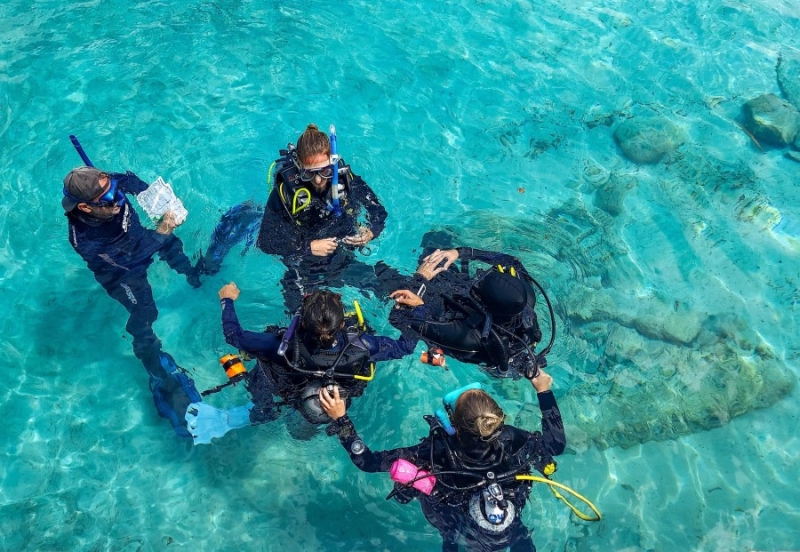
(229, 291)
(168, 224)
(450, 254)
(333, 405)
(362, 238)
(407, 298)
(323, 248)
(430, 264)
(542, 381)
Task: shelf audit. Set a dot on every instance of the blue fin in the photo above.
(205, 422)
(239, 224)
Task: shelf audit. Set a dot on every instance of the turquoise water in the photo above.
(675, 284)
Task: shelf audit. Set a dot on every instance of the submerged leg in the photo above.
(172, 389)
(173, 254)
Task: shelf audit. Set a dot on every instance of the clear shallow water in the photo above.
(675, 284)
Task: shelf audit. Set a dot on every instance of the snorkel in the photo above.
(336, 208)
(79, 149)
(449, 403)
(284, 346)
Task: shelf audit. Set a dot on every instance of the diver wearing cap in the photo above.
(312, 224)
(320, 347)
(104, 229)
(474, 459)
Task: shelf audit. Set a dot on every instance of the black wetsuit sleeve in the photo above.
(554, 440)
(261, 344)
(279, 235)
(130, 183)
(385, 348)
(365, 459)
(363, 195)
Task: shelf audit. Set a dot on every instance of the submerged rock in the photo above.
(789, 76)
(771, 120)
(647, 139)
(663, 390)
(610, 196)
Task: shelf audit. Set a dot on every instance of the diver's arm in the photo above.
(279, 235)
(385, 348)
(130, 183)
(365, 459)
(255, 343)
(553, 436)
(554, 439)
(360, 454)
(363, 195)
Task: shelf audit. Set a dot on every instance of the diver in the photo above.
(104, 229)
(321, 346)
(317, 213)
(467, 472)
(488, 318)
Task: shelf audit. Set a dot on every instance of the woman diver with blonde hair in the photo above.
(474, 457)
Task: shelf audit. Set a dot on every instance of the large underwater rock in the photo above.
(648, 139)
(771, 120)
(788, 70)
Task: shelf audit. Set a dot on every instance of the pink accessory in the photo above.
(404, 471)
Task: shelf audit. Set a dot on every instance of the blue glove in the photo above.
(206, 422)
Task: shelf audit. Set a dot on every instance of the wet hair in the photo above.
(477, 414)
(322, 316)
(312, 142)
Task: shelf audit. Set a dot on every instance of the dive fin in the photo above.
(239, 224)
(205, 422)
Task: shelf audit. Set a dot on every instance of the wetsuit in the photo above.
(290, 236)
(448, 510)
(274, 376)
(119, 251)
(450, 320)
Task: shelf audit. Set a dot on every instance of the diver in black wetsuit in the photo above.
(486, 319)
(104, 229)
(476, 498)
(320, 347)
(313, 225)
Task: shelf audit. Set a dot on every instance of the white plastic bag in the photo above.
(158, 199)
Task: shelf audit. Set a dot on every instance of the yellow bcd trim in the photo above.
(371, 375)
(361, 325)
(305, 195)
(553, 485)
(359, 315)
